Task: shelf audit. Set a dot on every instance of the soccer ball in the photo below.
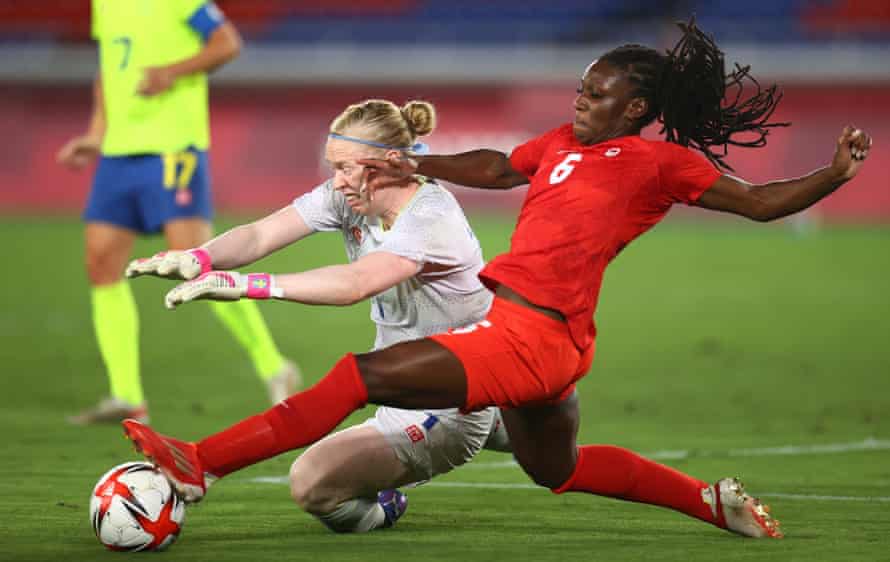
(134, 508)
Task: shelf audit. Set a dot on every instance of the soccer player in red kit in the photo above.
(595, 185)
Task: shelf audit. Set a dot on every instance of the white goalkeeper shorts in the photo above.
(432, 442)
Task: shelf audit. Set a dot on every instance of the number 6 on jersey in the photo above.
(562, 170)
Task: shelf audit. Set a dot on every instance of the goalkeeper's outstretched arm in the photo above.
(338, 285)
(248, 243)
(239, 246)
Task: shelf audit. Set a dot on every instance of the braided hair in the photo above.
(692, 97)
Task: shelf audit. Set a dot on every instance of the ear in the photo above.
(636, 109)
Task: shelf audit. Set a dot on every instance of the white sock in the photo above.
(357, 515)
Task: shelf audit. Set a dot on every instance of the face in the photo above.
(350, 177)
(603, 106)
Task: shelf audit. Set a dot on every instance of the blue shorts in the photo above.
(144, 192)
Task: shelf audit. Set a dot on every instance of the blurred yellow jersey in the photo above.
(133, 35)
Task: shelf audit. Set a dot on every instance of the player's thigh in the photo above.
(184, 233)
(415, 375)
(107, 250)
(543, 439)
(355, 462)
(433, 442)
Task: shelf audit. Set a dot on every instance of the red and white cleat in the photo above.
(178, 460)
(742, 513)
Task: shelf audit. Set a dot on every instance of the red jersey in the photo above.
(584, 204)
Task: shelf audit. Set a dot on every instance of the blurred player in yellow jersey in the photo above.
(150, 130)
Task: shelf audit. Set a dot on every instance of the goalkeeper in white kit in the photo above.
(413, 254)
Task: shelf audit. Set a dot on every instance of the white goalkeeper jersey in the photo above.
(431, 230)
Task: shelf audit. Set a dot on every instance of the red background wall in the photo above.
(267, 142)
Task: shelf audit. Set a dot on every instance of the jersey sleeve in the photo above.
(684, 174)
(205, 18)
(526, 157)
(323, 209)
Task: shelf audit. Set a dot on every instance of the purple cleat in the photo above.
(394, 504)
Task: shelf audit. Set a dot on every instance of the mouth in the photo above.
(353, 200)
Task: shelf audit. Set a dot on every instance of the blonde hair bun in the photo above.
(421, 116)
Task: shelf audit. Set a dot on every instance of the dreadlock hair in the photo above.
(686, 90)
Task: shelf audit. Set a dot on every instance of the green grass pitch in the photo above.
(718, 343)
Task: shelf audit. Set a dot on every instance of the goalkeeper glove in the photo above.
(175, 264)
(224, 286)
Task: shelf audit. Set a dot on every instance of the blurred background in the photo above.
(499, 72)
(729, 342)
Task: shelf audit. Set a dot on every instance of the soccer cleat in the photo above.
(742, 513)
(394, 504)
(287, 382)
(178, 460)
(110, 410)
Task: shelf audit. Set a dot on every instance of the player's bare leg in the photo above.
(409, 375)
(115, 319)
(281, 376)
(338, 480)
(543, 440)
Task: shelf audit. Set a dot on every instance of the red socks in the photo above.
(296, 422)
(610, 471)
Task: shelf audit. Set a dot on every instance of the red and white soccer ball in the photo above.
(133, 507)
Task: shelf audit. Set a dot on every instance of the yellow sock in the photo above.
(244, 320)
(116, 322)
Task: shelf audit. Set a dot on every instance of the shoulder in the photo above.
(323, 193)
(434, 201)
(666, 151)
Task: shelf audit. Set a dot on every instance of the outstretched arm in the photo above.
(486, 169)
(237, 247)
(248, 243)
(339, 285)
(777, 199)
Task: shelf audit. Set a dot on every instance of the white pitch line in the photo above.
(825, 498)
(528, 486)
(869, 444)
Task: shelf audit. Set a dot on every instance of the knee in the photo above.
(308, 490)
(101, 267)
(547, 472)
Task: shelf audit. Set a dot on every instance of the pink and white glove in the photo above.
(224, 286)
(174, 264)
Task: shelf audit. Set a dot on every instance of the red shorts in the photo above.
(516, 357)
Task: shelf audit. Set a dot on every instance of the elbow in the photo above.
(351, 299)
(763, 209)
(354, 294)
(228, 43)
(766, 213)
(231, 50)
(235, 47)
(762, 216)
